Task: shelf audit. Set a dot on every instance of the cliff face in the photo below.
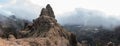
(44, 31)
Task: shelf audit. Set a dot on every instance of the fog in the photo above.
(87, 17)
(24, 9)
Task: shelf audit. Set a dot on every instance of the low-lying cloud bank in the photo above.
(21, 8)
(88, 18)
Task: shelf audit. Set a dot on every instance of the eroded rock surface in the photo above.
(44, 31)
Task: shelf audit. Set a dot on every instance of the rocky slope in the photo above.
(44, 31)
(10, 25)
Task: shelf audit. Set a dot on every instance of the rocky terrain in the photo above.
(46, 31)
(95, 36)
(11, 25)
(43, 31)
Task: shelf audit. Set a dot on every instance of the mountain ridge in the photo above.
(44, 31)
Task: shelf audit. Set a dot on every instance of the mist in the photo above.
(24, 9)
(87, 17)
(21, 9)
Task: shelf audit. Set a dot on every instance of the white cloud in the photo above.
(10, 2)
(30, 9)
(23, 9)
(0, 6)
(59, 6)
(6, 12)
(110, 7)
(88, 18)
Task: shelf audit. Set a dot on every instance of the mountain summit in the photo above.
(44, 31)
(46, 26)
(48, 11)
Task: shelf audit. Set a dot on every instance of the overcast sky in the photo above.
(110, 7)
(81, 11)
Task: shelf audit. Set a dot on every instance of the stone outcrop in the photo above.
(44, 31)
(46, 26)
(48, 11)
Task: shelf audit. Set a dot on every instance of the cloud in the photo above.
(87, 17)
(7, 2)
(23, 9)
(4, 1)
(27, 9)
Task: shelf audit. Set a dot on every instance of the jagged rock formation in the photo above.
(48, 11)
(46, 26)
(44, 31)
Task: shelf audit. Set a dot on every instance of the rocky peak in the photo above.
(46, 26)
(44, 31)
(47, 11)
(44, 22)
(44, 12)
(50, 11)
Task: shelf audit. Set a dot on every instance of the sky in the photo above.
(81, 11)
(109, 7)
(4, 1)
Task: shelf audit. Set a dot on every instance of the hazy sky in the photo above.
(109, 7)
(88, 12)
